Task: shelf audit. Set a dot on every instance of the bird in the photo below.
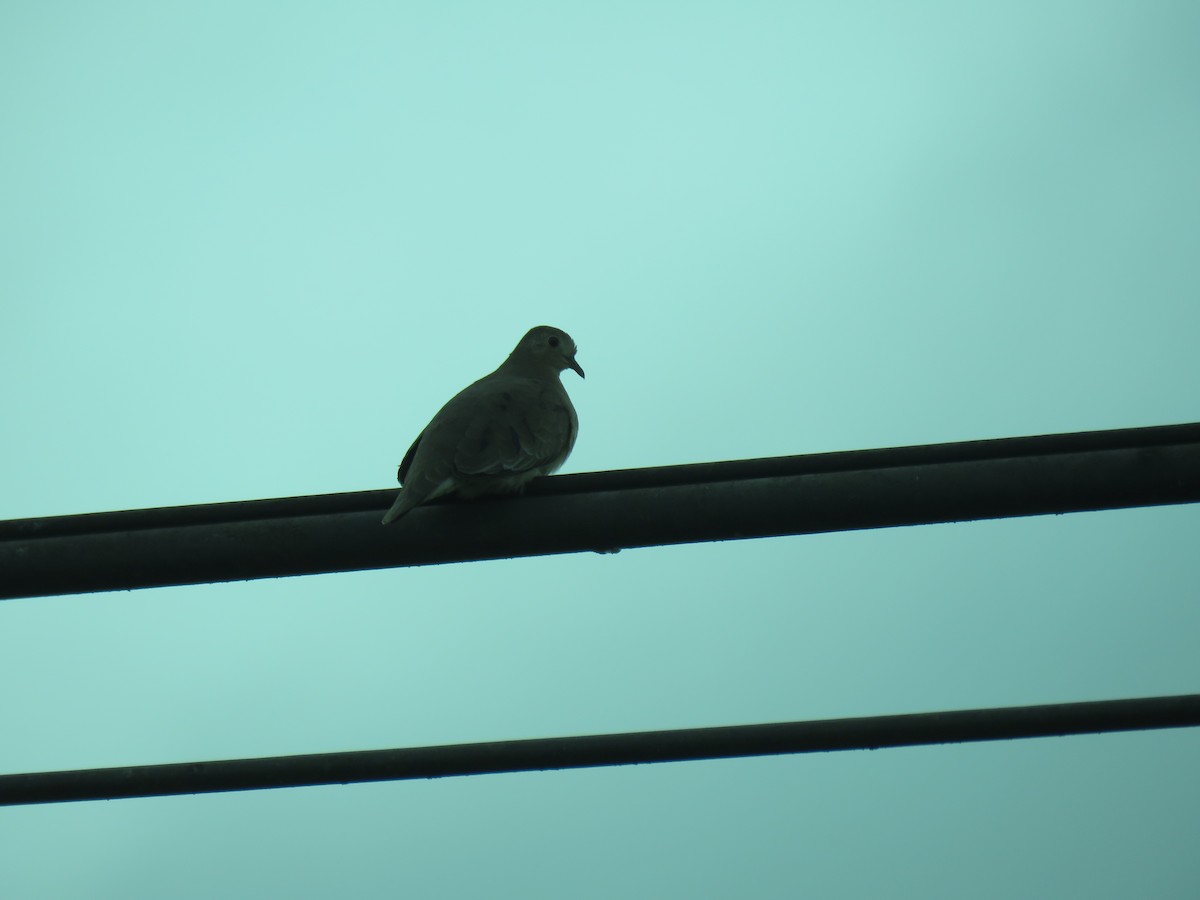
(498, 434)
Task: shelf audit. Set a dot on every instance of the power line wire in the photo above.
(606, 511)
(603, 750)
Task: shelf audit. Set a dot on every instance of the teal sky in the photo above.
(248, 249)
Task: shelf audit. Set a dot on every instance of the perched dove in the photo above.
(501, 432)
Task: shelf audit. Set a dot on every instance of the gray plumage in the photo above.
(500, 433)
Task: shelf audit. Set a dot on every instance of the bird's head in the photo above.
(545, 347)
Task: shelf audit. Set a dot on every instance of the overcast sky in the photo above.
(248, 249)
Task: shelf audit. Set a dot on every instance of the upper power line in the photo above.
(606, 511)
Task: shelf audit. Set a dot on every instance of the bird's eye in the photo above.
(553, 342)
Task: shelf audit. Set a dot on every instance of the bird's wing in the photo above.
(406, 463)
(504, 425)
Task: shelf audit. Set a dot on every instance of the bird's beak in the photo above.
(576, 366)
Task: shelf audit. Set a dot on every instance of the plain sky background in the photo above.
(247, 249)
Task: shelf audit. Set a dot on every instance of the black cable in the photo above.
(603, 750)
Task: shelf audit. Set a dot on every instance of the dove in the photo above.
(501, 432)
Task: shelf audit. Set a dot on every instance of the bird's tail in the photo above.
(403, 503)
